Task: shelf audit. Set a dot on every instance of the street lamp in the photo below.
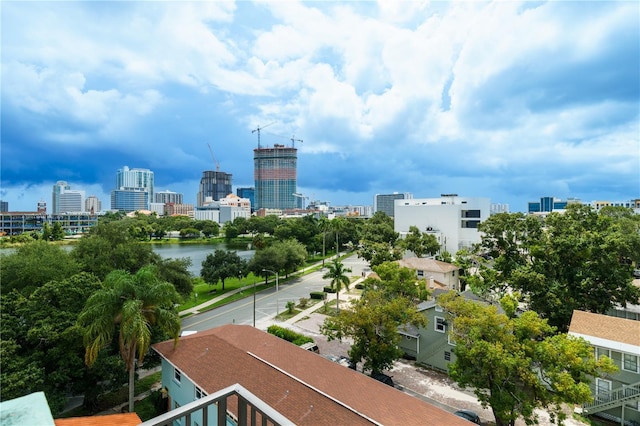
(277, 295)
(254, 302)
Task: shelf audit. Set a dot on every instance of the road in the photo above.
(269, 301)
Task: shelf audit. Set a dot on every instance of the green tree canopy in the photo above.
(222, 264)
(396, 280)
(33, 264)
(516, 365)
(110, 246)
(373, 323)
(420, 243)
(579, 260)
(128, 306)
(176, 271)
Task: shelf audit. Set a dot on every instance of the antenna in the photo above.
(214, 159)
(258, 130)
(294, 140)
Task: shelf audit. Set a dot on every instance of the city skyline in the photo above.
(505, 100)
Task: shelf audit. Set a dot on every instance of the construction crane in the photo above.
(294, 140)
(214, 159)
(258, 130)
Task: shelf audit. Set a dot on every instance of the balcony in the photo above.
(251, 410)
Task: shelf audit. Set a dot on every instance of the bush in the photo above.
(317, 295)
(329, 290)
(303, 302)
(290, 306)
(289, 335)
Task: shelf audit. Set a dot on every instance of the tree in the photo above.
(271, 257)
(57, 232)
(220, 265)
(420, 243)
(109, 246)
(373, 323)
(516, 365)
(294, 253)
(337, 275)
(398, 281)
(34, 264)
(580, 260)
(176, 271)
(189, 233)
(377, 253)
(129, 305)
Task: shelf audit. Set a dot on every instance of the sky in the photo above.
(507, 100)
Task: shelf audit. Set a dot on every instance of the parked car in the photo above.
(636, 273)
(381, 377)
(468, 415)
(346, 362)
(311, 346)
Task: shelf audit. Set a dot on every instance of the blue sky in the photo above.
(506, 100)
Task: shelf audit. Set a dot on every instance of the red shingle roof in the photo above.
(302, 386)
(126, 419)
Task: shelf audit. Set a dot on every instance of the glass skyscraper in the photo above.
(276, 176)
(216, 185)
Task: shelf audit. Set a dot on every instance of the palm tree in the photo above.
(128, 305)
(337, 275)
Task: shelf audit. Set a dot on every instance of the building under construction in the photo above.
(275, 174)
(214, 184)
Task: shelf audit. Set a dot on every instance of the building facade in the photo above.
(58, 189)
(451, 219)
(248, 193)
(71, 200)
(215, 185)
(92, 204)
(386, 202)
(276, 176)
(14, 223)
(617, 395)
(168, 197)
(129, 199)
(141, 179)
(4, 206)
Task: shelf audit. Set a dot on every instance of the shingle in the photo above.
(606, 327)
(304, 387)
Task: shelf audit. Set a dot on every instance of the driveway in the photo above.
(434, 387)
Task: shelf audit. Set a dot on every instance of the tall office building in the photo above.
(248, 193)
(4, 206)
(216, 185)
(276, 176)
(385, 202)
(58, 189)
(92, 204)
(165, 197)
(71, 200)
(135, 178)
(129, 199)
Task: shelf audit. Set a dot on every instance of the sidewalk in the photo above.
(196, 309)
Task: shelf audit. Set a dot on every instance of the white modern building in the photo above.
(71, 200)
(138, 179)
(453, 220)
(59, 187)
(92, 204)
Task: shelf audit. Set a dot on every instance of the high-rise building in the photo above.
(71, 200)
(276, 176)
(549, 204)
(92, 204)
(4, 206)
(215, 185)
(129, 199)
(385, 202)
(135, 178)
(168, 197)
(248, 193)
(58, 189)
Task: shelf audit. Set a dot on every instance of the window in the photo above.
(420, 273)
(602, 386)
(199, 393)
(447, 356)
(600, 352)
(177, 375)
(630, 362)
(440, 324)
(439, 309)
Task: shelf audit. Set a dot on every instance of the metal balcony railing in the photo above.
(612, 399)
(251, 411)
